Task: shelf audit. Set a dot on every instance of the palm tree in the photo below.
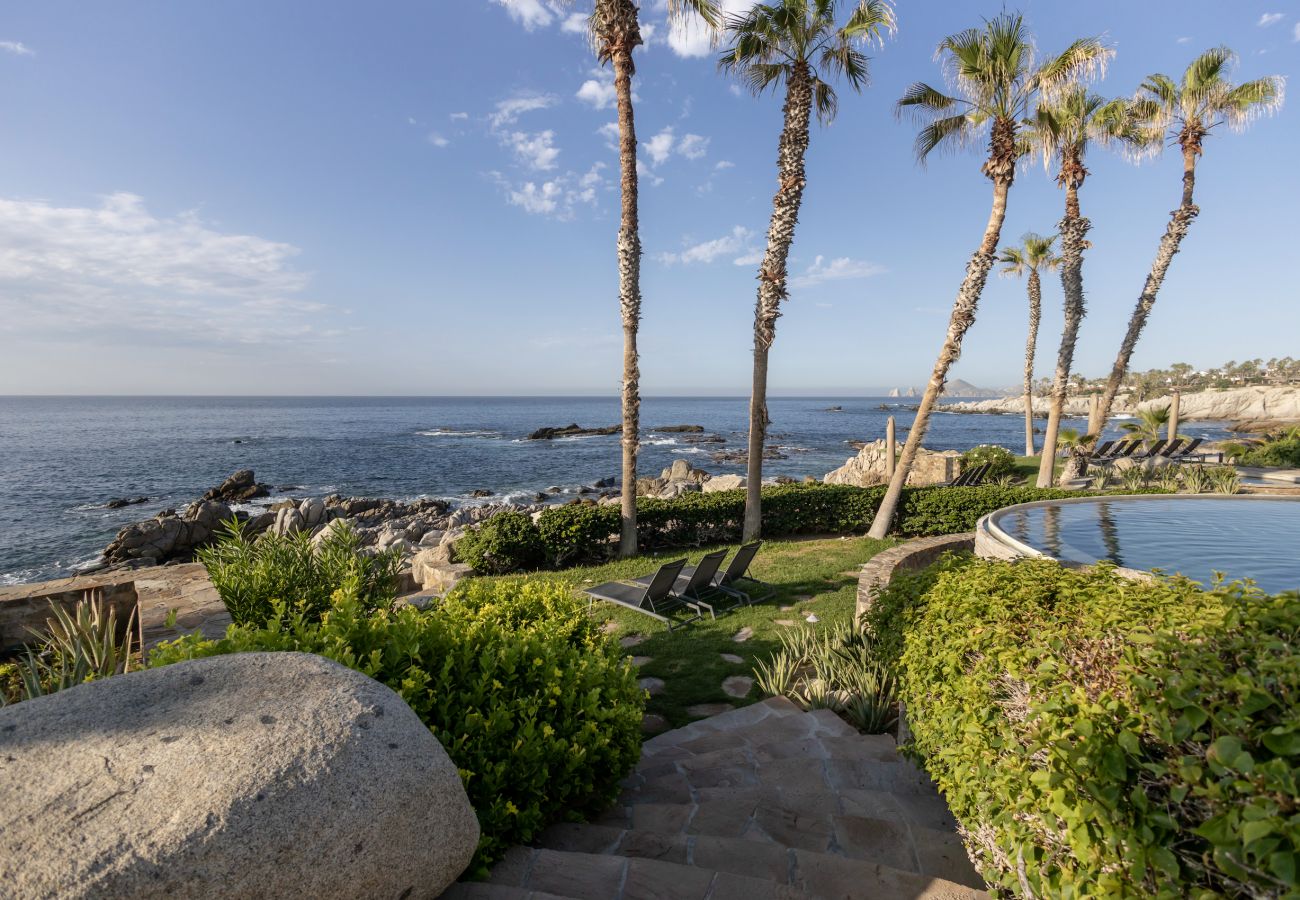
(1186, 112)
(1034, 253)
(1149, 425)
(994, 70)
(615, 33)
(796, 43)
(1062, 129)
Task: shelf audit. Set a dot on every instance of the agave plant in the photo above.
(78, 646)
(778, 676)
(1170, 479)
(1135, 477)
(1224, 480)
(1197, 479)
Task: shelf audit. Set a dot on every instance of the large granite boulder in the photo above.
(168, 535)
(724, 483)
(249, 775)
(871, 466)
(238, 487)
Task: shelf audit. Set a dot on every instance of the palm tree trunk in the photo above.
(772, 278)
(629, 295)
(1035, 316)
(963, 316)
(1074, 232)
(1180, 220)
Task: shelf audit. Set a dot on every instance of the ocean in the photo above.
(62, 458)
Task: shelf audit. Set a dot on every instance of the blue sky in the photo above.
(421, 198)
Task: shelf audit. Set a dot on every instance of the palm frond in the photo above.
(1262, 97)
(870, 22)
(1084, 60)
(951, 133)
(825, 101)
(1208, 68)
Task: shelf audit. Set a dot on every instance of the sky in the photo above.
(420, 197)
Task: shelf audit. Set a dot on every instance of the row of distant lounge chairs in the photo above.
(694, 590)
(1176, 450)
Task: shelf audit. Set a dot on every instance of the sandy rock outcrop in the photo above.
(248, 775)
(870, 467)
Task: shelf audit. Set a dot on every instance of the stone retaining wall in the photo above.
(26, 607)
(909, 557)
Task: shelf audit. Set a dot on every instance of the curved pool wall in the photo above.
(1195, 535)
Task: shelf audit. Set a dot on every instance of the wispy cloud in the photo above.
(575, 23)
(598, 90)
(1295, 33)
(438, 140)
(536, 150)
(839, 269)
(118, 268)
(557, 197)
(510, 109)
(17, 48)
(531, 13)
(738, 241)
(1268, 19)
(660, 147)
(1183, 40)
(664, 144)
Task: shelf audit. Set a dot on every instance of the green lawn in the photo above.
(811, 576)
(1027, 468)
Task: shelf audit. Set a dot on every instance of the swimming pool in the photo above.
(1193, 535)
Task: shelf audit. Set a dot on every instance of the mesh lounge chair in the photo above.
(1123, 449)
(1189, 452)
(695, 585)
(655, 599)
(732, 580)
(1171, 449)
(1099, 454)
(970, 478)
(1153, 452)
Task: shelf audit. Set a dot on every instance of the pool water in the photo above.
(1195, 536)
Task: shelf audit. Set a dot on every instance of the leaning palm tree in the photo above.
(615, 33)
(996, 75)
(795, 43)
(1186, 112)
(1034, 253)
(1063, 128)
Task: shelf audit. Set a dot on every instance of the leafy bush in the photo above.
(507, 542)
(1000, 460)
(540, 712)
(1098, 736)
(251, 574)
(578, 532)
(949, 510)
(1282, 451)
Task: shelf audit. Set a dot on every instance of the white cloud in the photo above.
(693, 146)
(575, 23)
(735, 90)
(1295, 33)
(535, 150)
(1184, 40)
(648, 32)
(840, 269)
(598, 90)
(17, 48)
(530, 13)
(688, 36)
(724, 164)
(660, 147)
(609, 131)
(557, 197)
(117, 268)
(1268, 19)
(458, 116)
(509, 110)
(751, 258)
(438, 140)
(737, 241)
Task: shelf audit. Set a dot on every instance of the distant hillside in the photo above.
(955, 388)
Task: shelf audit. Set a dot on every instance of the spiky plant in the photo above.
(1035, 252)
(77, 647)
(1063, 129)
(1186, 112)
(997, 79)
(798, 45)
(615, 33)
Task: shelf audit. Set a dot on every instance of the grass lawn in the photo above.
(811, 576)
(1027, 468)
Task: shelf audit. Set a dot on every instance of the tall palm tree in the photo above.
(997, 77)
(1063, 128)
(615, 33)
(1186, 112)
(1034, 253)
(796, 43)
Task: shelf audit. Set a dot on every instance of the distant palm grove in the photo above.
(1002, 98)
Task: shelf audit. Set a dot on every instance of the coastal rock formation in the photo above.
(168, 536)
(237, 488)
(679, 429)
(724, 483)
(253, 774)
(1259, 405)
(679, 478)
(119, 502)
(571, 430)
(870, 467)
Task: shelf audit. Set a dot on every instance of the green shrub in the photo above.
(951, 510)
(1000, 460)
(540, 712)
(1098, 736)
(1282, 452)
(507, 542)
(578, 532)
(251, 574)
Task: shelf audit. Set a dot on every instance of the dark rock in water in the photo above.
(606, 482)
(705, 439)
(571, 430)
(119, 502)
(539, 496)
(236, 441)
(481, 492)
(240, 486)
(281, 488)
(742, 456)
(169, 536)
(555, 489)
(679, 429)
(833, 409)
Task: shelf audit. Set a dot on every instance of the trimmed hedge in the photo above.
(1000, 460)
(1098, 736)
(507, 542)
(583, 533)
(540, 712)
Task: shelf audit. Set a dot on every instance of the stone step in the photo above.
(597, 876)
(771, 711)
(483, 890)
(765, 843)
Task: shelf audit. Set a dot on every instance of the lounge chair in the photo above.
(1123, 450)
(654, 598)
(1171, 449)
(736, 574)
(970, 477)
(695, 585)
(1100, 453)
(1153, 452)
(1189, 452)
